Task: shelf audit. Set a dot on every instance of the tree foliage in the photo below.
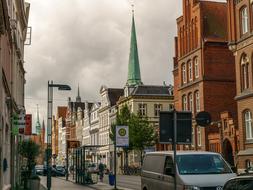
(141, 133)
(29, 150)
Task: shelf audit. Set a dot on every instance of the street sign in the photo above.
(122, 136)
(184, 127)
(73, 144)
(203, 119)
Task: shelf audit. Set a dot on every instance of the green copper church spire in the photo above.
(37, 125)
(134, 74)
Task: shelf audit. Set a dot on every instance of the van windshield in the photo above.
(202, 164)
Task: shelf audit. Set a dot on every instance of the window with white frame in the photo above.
(143, 109)
(244, 20)
(157, 109)
(199, 136)
(197, 101)
(184, 76)
(190, 70)
(196, 67)
(184, 99)
(191, 107)
(248, 125)
(244, 72)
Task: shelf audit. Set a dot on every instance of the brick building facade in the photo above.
(240, 24)
(204, 73)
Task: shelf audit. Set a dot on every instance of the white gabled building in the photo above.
(109, 97)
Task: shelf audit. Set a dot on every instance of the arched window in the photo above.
(191, 102)
(244, 72)
(184, 76)
(190, 70)
(196, 67)
(197, 101)
(184, 100)
(248, 125)
(244, 20)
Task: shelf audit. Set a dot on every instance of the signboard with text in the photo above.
(122, 136)
(73, 144)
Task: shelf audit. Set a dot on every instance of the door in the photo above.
(167, 179)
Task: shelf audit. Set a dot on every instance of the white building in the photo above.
(94, 130)
(109, 97)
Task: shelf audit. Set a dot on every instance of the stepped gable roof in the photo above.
(114, 94)
(143, 90)
(214, 20)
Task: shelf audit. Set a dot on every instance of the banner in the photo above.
(28, 124)
(122, 136)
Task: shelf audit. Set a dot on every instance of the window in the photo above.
(190, 102)
(197, 101)
(143, 109)
(199, 136)
(244, 20)
(193, 137)
(196, 67)
(184, 73)
(244, 72)
(184, 99)
(190, 70)
(157, 109)
(248, 125)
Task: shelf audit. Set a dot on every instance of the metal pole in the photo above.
(175, 147)
(115, 162)
(67, 162)
(49, 134)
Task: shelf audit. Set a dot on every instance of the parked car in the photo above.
(39, 169)
(92, 168)
(239, 183)
(55, 172)
(194, 170)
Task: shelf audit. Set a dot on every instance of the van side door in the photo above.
(152, 172)
(168, 174)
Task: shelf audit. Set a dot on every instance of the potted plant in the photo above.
(29, 150)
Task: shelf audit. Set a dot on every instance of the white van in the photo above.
(195, 171)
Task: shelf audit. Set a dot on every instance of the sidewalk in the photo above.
(62, 184)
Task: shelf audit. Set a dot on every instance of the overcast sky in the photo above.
(88, 42)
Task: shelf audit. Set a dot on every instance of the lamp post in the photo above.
(50, 87)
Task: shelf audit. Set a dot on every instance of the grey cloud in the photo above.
(88, 41)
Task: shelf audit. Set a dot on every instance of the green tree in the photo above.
(29, 150)
(141, 133)
(123, 118)
(144, 134)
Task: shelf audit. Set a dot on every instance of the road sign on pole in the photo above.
(184, 127)
(122, 136)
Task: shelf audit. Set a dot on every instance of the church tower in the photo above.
(134, 74)
(37, 125)
(78, 98)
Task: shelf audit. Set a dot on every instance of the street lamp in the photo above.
(50, 87)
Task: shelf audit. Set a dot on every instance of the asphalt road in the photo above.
(131, 182)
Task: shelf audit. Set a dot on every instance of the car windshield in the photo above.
(202, 164)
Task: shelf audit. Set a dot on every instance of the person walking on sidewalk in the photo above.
(101, 168)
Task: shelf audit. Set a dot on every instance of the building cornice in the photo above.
(243, 96)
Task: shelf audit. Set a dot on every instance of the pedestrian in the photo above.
(101, 168)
